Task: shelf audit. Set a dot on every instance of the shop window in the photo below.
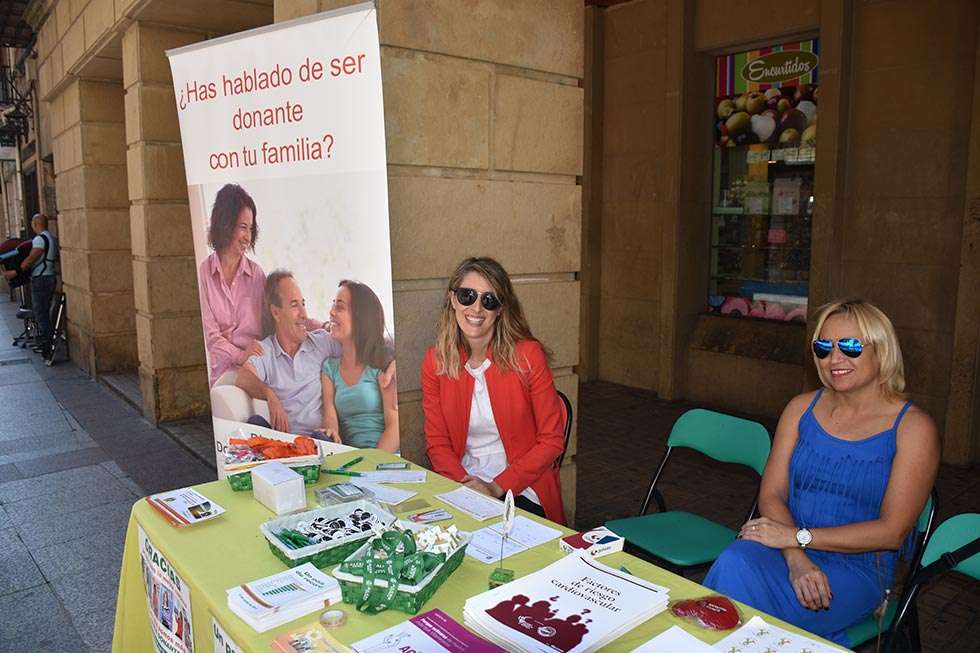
(762, 192)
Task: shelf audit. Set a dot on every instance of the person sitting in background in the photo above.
(355, 406)
(286, 373)
(41, 262)
(493, 419)
(851, 467)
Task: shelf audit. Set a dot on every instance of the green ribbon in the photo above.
(393, 557)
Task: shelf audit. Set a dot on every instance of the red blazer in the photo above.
(528, 414)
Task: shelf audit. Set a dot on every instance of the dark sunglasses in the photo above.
(466, 297)
(850, 347)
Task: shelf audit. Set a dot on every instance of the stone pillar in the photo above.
(173, 376)
(484, 121)
(90, 178)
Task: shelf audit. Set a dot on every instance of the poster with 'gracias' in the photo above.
(283, 139)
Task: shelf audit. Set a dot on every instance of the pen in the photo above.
(342, 472)
(352, 462)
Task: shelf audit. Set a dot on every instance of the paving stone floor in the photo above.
(614, 418)
(73, 458)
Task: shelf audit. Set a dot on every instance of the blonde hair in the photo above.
(509, 328)
(876, 329)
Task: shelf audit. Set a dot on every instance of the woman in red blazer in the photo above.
(493, 419)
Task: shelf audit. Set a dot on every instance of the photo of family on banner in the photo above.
(303, 349)
(284, 151)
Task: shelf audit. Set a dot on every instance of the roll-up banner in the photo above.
(284, 148)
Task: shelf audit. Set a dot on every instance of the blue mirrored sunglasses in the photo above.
(850, 347)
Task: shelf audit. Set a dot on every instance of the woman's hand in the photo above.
(491, 488)
(809, 582)
(771, 533)
(254, 349)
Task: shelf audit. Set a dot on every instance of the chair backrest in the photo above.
(722, 437)
(953, 533)
(568, 425)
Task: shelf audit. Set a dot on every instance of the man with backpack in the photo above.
(41, 263)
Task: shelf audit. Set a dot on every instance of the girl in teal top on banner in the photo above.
(356, 409)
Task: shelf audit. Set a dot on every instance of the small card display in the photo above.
(596, 542)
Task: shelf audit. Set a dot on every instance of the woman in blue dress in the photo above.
(851, 467)
(357, 409)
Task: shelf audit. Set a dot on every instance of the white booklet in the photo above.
(391, 476)
(574, 605)
(389, 495)
(478, 506)
(185, 507)
(674, 640)
(757, 636)
(526, 534)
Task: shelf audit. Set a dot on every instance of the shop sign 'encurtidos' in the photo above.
(779, 66)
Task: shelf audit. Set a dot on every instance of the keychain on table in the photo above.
(499, 576)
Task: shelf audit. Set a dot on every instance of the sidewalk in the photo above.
(74, 456)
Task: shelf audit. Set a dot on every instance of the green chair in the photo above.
(865, 630)
(954, 546)
(681, 539)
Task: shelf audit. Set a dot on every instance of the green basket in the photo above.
(327, 553)
(410, 597)
(243, 480)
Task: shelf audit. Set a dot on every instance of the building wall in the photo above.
(894, 219)
(483, 120)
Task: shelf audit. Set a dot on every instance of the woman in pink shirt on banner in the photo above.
(231, 284)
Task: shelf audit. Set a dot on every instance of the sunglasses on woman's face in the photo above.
(466, 297)
(850, 347)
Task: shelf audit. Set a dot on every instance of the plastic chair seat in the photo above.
(681, 538)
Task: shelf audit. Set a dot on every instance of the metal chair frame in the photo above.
(568, 426)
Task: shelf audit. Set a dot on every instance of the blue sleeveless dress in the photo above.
(832, 482)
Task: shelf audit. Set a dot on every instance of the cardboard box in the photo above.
(278, 488)
(596, 542)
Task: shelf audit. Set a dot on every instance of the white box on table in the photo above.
(278, 488)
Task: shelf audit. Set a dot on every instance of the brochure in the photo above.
(574, 605)
(431, 632)
(272, 601)
(526, 534)
(310, 639)
(184, 507)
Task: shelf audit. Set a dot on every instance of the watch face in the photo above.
(803, 536)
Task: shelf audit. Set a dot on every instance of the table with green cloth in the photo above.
(229, 550)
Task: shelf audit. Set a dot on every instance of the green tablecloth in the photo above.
(229, 550)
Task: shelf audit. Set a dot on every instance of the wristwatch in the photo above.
(804, 537)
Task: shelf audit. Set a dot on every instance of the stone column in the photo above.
(484, 121)
(173, 376)
(90, 178)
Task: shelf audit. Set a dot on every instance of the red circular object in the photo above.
(715, 612)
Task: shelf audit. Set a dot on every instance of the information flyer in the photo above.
(168, 599)
(283, 138)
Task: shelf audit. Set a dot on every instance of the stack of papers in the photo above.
(389, 495)
(574, 605)
(185, 506)
(274, 600)
(432, 632)
(478, 506)
(526, 534)
(672, 640)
